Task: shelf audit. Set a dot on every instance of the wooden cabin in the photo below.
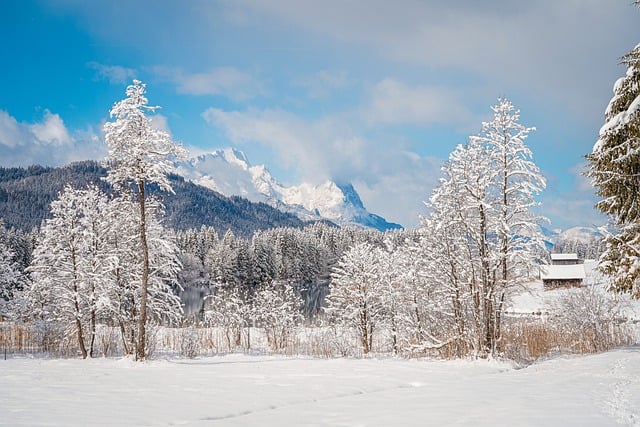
(565, 271)
(565, 259)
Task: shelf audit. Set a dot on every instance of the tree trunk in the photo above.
(364, 330)
(123, 332)
(93, 332)
(142, 320)
(76, 305)
(83, 349)
(487, 287)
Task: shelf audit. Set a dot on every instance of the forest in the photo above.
(116, 266)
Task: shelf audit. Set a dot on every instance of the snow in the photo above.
(564, 257)
(621, 119)
(245, 390)
(575, 271)
(535, 299)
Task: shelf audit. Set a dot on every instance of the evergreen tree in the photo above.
(614, 168)
(15, 252)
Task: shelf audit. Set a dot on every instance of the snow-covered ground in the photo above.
(244, 390)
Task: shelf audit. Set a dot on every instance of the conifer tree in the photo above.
(614, 169)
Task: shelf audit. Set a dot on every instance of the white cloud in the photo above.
(47, 142)
(571, 203)
(581, 182)
(51, 131)
(160, 122)
(393, 102)
(570, 210)
(400, 197)
(322, 84)
(314, 148)
(115, 74)
(10, 131)
(549, 49)
(225, 81)
(392, 181)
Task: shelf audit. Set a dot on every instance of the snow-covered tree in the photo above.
(516, 182)
(263, 253)
(119, 305)
(139, 155)
(393, 291)
(277, 310)
(15, 256)
(354, 297)
(226, 308)
(11, 279)
(98, 257)
(614, 168)
(59, 291)
(487, 235)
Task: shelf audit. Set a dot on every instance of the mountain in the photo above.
(580, 235)
(229, 172)
(26, 194)
(587, 242)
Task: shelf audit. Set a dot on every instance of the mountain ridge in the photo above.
(229, 172)
(26, 194)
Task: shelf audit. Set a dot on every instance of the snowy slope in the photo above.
(229, 172)
(237, 390)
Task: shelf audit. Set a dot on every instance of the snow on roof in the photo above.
(552, 272)
(564, 257)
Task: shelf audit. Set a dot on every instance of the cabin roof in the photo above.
(555, 272)
(564, 257)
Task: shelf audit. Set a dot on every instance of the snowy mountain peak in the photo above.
(581, 234)
(351, 195)
(229, 172)
(230, 155)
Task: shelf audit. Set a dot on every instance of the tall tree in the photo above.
(614, 169)
(487, 232)
(139, 155)
(516, 182)
(59, 292)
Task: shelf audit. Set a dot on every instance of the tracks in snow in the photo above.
(266, 408)
(618, 404)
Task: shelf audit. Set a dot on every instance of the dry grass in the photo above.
(524, 341)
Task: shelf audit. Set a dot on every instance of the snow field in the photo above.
(242, 390)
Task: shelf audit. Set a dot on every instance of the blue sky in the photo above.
(373, 92)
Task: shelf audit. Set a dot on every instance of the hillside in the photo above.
(26, 193)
